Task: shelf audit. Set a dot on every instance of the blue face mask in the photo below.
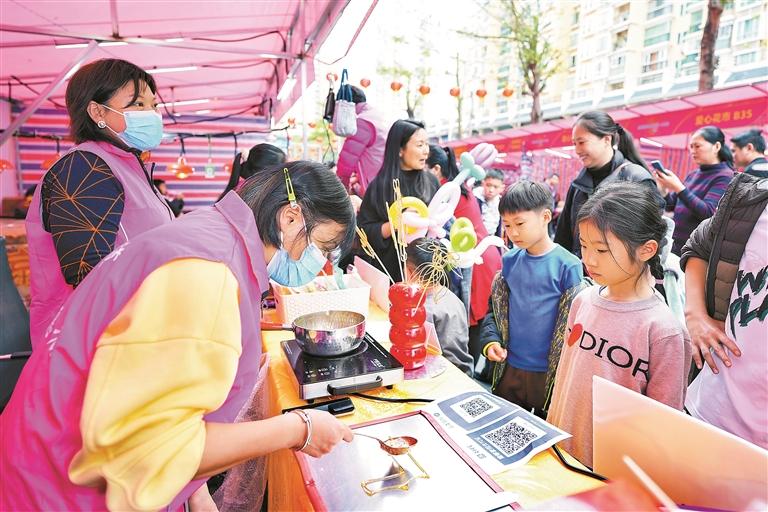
(143, 128)
(286, 271)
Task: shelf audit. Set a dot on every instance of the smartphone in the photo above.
(660, 168)
(339, 407)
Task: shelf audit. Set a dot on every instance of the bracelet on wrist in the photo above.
(308, 420)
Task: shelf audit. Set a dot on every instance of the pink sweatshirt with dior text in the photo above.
(639, 345)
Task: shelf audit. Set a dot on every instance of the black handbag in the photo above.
(330, 105)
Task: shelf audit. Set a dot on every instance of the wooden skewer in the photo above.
(395, 239)
(368, 248)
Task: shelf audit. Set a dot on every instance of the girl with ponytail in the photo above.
(696, 198)
(608, 153)
(621, 330)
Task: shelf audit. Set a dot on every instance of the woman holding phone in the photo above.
(696, 198)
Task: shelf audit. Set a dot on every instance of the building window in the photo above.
(572, 61)
(616, 86)
(724, 37)
(617, 61)
(745, 58)
(657, 34)
(620, 40)
(748, 29)
(658, 8)
(696, 18)
(654, 61)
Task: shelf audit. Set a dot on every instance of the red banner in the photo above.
(751, 112)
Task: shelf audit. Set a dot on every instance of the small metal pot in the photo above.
(326, 333)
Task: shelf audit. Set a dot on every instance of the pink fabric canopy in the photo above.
(238, 54)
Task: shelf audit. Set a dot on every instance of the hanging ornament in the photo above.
(291, 122)
(312, 124)
(210, 168)
(424, 89)
(455, 92)
(180, 167)
(365, 83)
(332, 77)
(481, 93)
(227, 168)
(507, 92)
(396, 86)
(48, 162)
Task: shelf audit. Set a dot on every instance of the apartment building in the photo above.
(616, 52)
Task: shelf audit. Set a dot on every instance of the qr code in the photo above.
(474, 408)
(513, 436)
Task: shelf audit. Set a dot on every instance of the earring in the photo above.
(101, 124)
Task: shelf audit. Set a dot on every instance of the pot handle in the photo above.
(274, 326)
(354, 388)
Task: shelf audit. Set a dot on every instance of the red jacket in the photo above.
(482, 275)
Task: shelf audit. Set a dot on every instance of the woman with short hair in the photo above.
(99, 194)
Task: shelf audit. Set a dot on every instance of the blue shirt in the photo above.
(536, 284)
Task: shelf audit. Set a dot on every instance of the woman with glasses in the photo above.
(133, 404)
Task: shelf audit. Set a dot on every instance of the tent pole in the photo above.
(60, 79)
(304, 148)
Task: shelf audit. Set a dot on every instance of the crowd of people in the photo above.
(100, 422)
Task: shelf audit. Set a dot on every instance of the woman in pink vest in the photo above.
(99, 195)
(363, 153)
(133, 404)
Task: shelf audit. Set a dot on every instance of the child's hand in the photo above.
(496, 354)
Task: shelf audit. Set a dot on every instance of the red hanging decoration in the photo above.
(424, 89)
(311, 124)
(291, 122)
(455, 92)
(365, 83)
(507, 92)
(332, 77)
(396, 86)
(481, 93)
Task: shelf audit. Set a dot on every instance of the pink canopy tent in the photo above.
(220, 67)
(223, 57)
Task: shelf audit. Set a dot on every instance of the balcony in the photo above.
(654, 66)
(660, 11)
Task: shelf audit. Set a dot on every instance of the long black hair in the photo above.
(600, 124)
(319, 192)
(446, 159)
(260, 156)
(399, 134)
(629, 211)
(713, 134)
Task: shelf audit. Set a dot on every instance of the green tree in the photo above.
(707, 60)
(411, 74)
(521, 23)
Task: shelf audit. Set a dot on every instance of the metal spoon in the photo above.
(394, 445)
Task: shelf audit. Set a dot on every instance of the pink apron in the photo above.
(143, 210)
(39, 429)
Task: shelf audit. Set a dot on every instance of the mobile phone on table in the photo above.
(339, 407)
(660, 168)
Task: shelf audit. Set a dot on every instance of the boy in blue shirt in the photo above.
(535, 274)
